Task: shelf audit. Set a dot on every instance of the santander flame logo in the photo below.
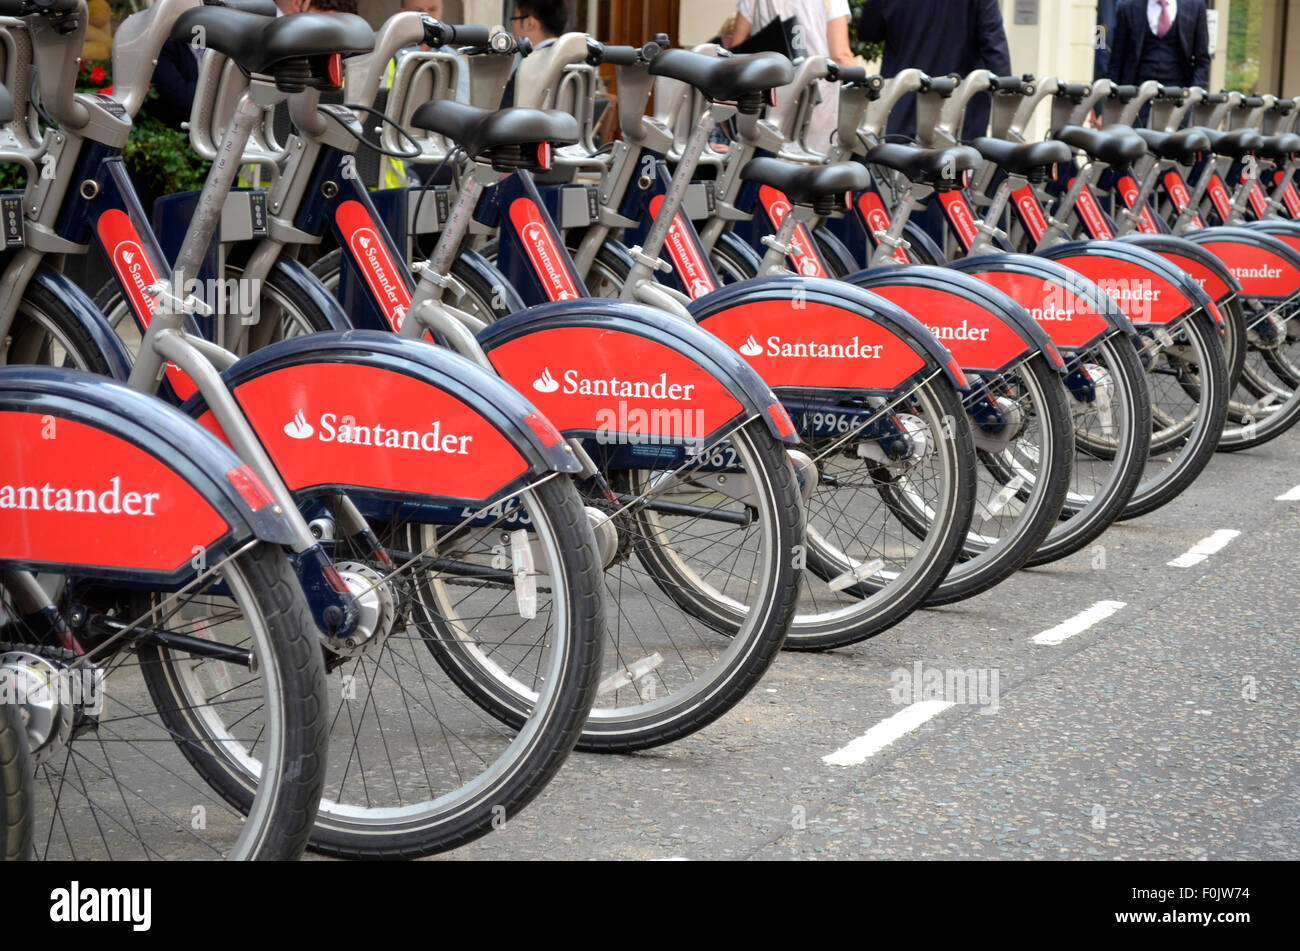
(751, 347)
(546, 383)
(298, 427)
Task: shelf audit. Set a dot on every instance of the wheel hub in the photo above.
(377, 607)
(42, 692)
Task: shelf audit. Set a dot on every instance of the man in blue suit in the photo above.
(1164, 40)
(937, 37)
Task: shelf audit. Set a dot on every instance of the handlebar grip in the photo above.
(1075, 91)
(619, 55)
(1123, 93)
(851, 74)
(1284, 106)
(1008, 83)
(1214, 98)
(1252, 102)
(437, 34)
(1171, 92)
(943, 85)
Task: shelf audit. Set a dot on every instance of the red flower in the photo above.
(106, 91)
(96, 75)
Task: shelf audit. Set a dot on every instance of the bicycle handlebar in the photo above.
(1171, 92)
(1008, 84)
(1251, 102)
(599, 53)
(1123, 93)
(437, 33)
(1075, 91)
(943, 85)
(855, 75)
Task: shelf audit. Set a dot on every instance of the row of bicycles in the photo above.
(338, 518)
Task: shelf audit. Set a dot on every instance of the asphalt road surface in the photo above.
(1111, 705)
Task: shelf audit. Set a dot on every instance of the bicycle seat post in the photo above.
(646, 258)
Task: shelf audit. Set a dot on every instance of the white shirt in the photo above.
(1153, 14)
(813, 15)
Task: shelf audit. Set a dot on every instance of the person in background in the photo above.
(540, 21)
(823, 28)
(937, 37)
(1164, 40)
(1102, 38)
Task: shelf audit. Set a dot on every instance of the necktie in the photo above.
(1163, 23)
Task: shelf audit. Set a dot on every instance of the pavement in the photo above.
(1158, 721)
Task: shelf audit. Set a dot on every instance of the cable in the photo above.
(424, 189)
(416, 150)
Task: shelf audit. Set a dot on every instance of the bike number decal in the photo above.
(1069, 320)
(976, 337)
(342, 424)
(803, 255)
(960, 216)
(876, 218)
(1031, 214)
(135, 272)
(1091, 215)
(370, 252)
(1128, 190)
(815, 345)
(685, 255)
(607, 381)
(539, 244)
(74, 494)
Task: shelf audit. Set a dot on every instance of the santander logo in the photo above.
(577, 385)
(134, 268)
(546, 383)
(298, 427)
(853, 350)
(345, 430)
(548, 262)
(751, 347)
(380, 274)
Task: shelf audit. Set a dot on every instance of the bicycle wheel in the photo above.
(1266, 399)
(283, 312)
(904, 519)
(15, 787)
(416, 768)
(1187, 376)
(114, 771)
(1107, 395)
(45, 332)
(1024, 478)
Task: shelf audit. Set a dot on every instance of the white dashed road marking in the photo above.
(1204, 548)
(886, 732)
(1077, 624)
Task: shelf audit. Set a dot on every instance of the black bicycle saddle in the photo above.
(1114, 145)
(1280, 146)
(1181, 147)
(939, 167)
(724, 78)
(1235, 144)
(480, 130)
(276, 47)
(1017, 158)
(804, 184)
